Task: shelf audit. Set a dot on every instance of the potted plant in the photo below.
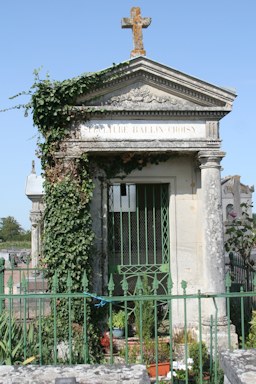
(163, 354)
(105, 342)
(180, 377)
(118, 323)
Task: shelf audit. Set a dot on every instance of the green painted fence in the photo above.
(42, 327)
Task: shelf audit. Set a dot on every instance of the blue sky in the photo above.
(213, 40)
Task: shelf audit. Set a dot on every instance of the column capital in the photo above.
(210, 159)
(35, 217)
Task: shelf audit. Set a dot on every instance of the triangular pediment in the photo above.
(143, 84)
(141, 96)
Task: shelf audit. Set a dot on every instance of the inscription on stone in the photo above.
(138, 130)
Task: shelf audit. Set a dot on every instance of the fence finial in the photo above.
(184, 284)
(139, 285)
(125, 285)
(111, 285)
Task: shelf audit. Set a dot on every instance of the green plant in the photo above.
(15, 245)
(68, 226)
(251, 338)
(144, 311)
(240, 238)
(13, 338)
(118, 319)
(133, 353)
(180, 374)
(68, 235)
(194, 353)
(50, 326)
(219, 379)
(149, 352)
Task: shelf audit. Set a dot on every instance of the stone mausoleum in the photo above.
(168, 215)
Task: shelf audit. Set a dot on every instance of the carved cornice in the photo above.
(99, 112)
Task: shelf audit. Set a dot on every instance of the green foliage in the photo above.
(15, 245)
(149, 352)
(220, 374)
(12, 338)
(144, 312)
(251, 338)
(68, 237)
(125, 163)
(254, 220)
(53, 105)
(11, 230)
(240, 235)
(180, 374)
(67, 234)
(118, 320)
(61, 327)
(194, 353)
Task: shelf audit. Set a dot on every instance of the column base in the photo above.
(208, 333)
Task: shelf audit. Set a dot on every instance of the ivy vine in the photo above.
(68, 236)
(68, 231)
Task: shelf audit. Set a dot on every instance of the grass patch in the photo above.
(15, 245)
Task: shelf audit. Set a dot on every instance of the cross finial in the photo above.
(136, 22)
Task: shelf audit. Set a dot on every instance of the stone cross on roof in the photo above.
(136, 22)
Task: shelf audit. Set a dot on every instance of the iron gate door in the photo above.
(138, 232)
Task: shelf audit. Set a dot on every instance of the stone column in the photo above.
(36, 222)
(212, 224)
(213, 248)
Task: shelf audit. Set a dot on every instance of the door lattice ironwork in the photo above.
(138, 228)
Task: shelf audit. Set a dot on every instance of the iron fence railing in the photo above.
(242, 273)
(43, 327)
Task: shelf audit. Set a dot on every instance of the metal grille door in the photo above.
(138, 228)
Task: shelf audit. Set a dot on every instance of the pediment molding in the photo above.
(181, 91)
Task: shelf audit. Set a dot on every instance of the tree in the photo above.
(254, 220)
(241, 238)
(10, 229)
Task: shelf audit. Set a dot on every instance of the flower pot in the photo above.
(118, 333)
(206, 377)
(163, 369)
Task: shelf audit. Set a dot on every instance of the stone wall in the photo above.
(239, 366)
(83, 374)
